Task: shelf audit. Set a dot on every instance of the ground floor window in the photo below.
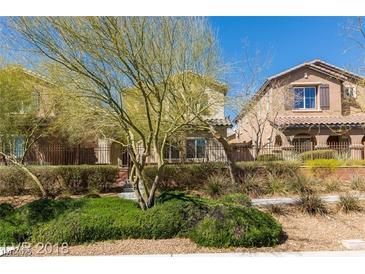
(15, 147)
(195, 148)
(340, 143)
(172, 151)
(18, 146)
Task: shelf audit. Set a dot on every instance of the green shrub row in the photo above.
(333, 163)
(84, 220)
(318, 154)
(327, 163)
(269, 157)
(57, 179)
(181, 177)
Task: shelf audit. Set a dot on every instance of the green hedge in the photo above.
(269, 157)
(56, 179)
(318, 154)
(326, 163)
(183, 177)
(78, 221)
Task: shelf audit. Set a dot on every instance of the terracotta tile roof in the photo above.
(356, 119)
(220, 122)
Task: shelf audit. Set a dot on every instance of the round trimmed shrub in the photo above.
(227, 226)
(235, 199)
(170, 219)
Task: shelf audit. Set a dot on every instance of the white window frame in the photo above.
(196, 148)
(315, 97)
(169, 158)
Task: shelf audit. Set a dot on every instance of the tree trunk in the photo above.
(137, 191)
(232, 167)
(4, 160)
(36, 180)
(156, 181)
(135, 178)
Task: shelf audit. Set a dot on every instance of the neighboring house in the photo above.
(52, 148)
(314, 105)
(200, 146)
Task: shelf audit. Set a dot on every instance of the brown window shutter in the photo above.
(324, 96)
(289, 99)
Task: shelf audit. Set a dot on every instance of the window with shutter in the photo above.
(324, 97)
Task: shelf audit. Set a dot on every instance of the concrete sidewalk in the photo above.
(360, 253)
(294, 200)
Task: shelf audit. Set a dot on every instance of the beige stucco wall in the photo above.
(216, 101)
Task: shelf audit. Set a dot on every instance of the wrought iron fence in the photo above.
(298, 151)
(243, 152)
(58, 154)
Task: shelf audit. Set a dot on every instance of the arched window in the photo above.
(335, 141)
(278, 141)
(303, 142)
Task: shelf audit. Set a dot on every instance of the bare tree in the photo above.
(118, 63)
(259, 100)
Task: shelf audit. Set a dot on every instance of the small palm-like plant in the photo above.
(357, 182)
(332, 185)
(216, 184)
(312, 204)
(349, 203)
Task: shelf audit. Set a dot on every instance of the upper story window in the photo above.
(305, 97)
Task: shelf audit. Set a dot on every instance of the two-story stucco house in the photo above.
(313, 103)
(200, 145)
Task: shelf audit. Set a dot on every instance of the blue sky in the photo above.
(291, 40)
